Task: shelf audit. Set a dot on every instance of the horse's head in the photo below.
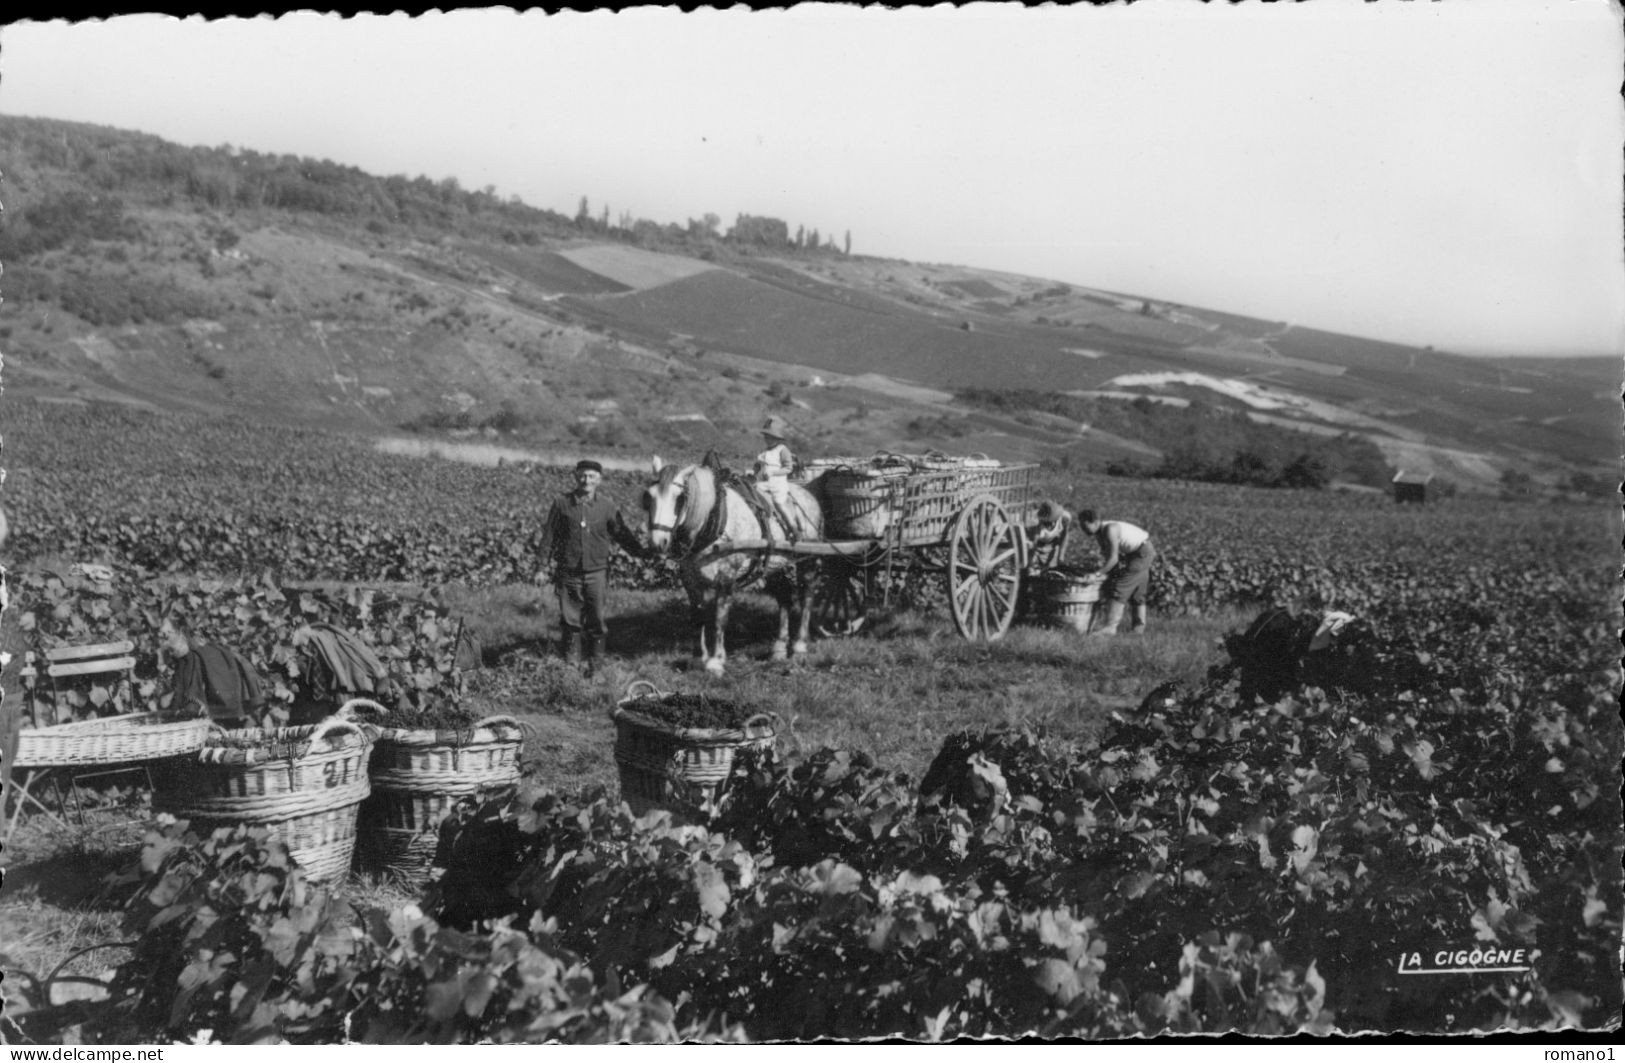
(675, 504)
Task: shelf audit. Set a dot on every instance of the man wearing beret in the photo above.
(576, 542)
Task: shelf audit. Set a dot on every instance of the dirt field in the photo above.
(633, 266)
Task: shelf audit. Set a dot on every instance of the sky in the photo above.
(1444, 173)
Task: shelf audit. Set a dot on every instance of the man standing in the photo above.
(576, 543)
(1128, 554)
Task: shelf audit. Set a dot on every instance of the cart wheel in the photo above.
(985, 559)
(843, 601)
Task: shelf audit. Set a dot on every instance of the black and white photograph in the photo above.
(837, 525)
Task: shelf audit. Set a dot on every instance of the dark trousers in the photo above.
(1127, 582)
(581, 604)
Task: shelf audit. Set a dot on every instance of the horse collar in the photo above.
(711, 530)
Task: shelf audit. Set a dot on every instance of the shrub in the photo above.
(59, 219)
(506, 419)
(439, 421)
(104, 300)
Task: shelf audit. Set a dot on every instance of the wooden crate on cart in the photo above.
(912, 499)
(964, 519)
(894, 515)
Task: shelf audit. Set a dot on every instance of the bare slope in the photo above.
(222, 280)
(744, 315)
(548, 272)
(634, 267)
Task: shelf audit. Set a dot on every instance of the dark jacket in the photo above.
(340, 663)
(218, 681)
(578, 533)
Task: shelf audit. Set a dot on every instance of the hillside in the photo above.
(219, 281)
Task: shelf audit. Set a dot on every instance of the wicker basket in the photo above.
(305, 783)
(859, 502)
(111, 740)
(417, 776)
(861, 496)
(864, 498)
(1063, 599)
(682, 769)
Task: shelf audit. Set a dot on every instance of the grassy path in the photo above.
(894, 692)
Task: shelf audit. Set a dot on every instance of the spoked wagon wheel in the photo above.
(985, 560)
(843, 600)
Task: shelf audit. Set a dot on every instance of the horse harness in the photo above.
(682, 544)
(711, 531)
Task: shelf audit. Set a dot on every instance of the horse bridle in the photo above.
(712, 528)
(677, 519)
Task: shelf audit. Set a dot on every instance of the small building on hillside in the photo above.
(1411, 486)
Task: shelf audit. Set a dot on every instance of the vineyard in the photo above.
(1257, 847)
(219, 498)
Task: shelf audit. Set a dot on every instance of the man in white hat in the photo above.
(773, 467)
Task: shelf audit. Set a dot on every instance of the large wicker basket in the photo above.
(417, 776)
(110, 740)
(864, 497)
(305, 783)
(860, 501)
(684, 770)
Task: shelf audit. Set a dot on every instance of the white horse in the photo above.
(691, 520)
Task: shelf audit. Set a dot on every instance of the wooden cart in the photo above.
(964, 524)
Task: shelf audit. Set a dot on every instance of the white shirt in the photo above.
(774, 463)
(1129, 537)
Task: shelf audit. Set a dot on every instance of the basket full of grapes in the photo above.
(678, 751)
(423, 763)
